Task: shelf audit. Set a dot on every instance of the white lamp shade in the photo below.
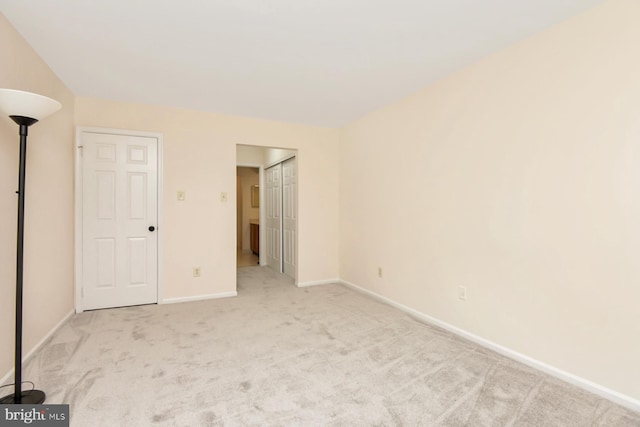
(19, 103)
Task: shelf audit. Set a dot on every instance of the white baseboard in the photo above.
(36, 347)
(199, 297)
(619, 398)
(317, 283)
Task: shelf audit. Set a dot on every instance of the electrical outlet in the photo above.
(462, 293)
(196, 271)
(223, 197)
(379, 271)
(181, 196)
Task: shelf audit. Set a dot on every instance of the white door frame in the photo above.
(78, 205)
(263, 245)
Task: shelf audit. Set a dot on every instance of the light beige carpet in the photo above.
(278, 355)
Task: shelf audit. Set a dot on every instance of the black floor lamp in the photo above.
(25, 109)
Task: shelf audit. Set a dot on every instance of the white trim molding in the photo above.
(40, 343)
(612, 395)
(318, 283)
(199, 297)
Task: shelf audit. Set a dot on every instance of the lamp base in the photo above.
(29, 397)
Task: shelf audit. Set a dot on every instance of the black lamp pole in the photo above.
(24, 108)
(31, 396)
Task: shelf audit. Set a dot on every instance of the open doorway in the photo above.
(275, 229)
(248, 220)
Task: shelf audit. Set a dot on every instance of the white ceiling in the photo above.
(321, 62)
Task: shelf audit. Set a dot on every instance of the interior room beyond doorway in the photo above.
(267, 208)
(248, 212)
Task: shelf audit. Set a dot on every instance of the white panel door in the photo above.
(273, 216)
(119, 217)
(289, 217)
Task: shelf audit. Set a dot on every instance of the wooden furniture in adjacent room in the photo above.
(255, 236)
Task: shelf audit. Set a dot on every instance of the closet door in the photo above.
(273, 216)
(289, 217)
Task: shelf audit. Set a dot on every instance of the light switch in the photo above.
(181, 196)
(223, 197)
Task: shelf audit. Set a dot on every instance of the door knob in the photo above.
(152, 228)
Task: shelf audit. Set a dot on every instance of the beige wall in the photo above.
(519, 178)
(200, 158)
(48, 279)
